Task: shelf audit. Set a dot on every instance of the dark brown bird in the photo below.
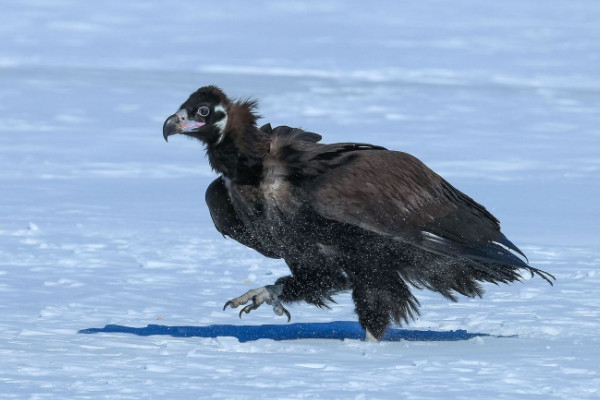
(343, 216)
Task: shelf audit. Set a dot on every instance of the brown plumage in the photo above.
(343, 216)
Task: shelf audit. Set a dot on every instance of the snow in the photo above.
(112, 278)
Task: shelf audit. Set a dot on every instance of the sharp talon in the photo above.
(281, 310)
(248, 308)
(227, 304)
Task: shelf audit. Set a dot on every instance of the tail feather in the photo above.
(454, 268)
(547, 276)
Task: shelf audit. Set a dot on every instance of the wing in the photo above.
(395, 195)
(292, 134)
(227, 221)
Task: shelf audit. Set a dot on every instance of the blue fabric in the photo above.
(325, 330)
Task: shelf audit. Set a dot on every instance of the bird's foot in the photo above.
(369, 337)
(267, 294)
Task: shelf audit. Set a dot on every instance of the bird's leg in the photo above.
(379, 305)
(267, 294)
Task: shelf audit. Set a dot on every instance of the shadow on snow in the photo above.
(325, 330)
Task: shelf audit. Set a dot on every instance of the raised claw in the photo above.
(266, 294)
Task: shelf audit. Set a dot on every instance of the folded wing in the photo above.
(395, 195)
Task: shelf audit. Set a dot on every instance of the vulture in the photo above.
(343, 216)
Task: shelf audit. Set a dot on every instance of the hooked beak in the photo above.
(180, 123)
(171, 127)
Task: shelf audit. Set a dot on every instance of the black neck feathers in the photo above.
(239, 153)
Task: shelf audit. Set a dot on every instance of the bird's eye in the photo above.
(203, 111)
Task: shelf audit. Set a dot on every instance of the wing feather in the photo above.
(396, 195)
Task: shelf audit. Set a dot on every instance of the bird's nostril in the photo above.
(181, 115)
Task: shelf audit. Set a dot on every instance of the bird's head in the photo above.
(234, 144)
(202, 116)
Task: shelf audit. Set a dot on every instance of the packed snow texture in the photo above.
(113, 279)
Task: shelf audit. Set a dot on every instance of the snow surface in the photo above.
(104, 230)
